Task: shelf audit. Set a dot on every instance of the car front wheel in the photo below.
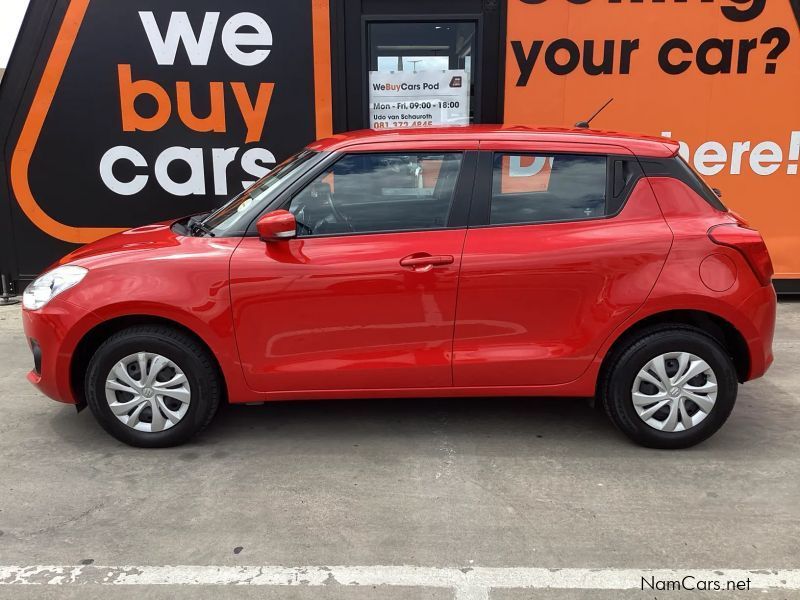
(672, 387)
(152, 386)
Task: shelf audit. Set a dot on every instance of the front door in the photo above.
(364, 298)
(417, 63)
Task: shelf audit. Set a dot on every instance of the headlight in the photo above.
(51, 284)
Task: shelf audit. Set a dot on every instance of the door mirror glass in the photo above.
(276, 226)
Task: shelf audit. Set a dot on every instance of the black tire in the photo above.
(617, 383)
(193, 359)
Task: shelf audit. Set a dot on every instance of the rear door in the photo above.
(364, 298)
(565, 242)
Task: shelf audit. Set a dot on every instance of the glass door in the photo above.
(417, 63)
(420, 74)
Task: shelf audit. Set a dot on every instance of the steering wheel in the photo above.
(321, 192)
(340, 218)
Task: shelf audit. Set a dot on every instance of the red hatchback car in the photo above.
(478, 261)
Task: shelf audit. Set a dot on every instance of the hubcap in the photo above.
(148, 392)
(674, 391)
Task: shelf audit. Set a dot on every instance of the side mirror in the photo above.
(276, 226)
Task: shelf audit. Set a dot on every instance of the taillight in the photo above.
(749, 243)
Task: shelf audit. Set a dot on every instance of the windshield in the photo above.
(234, 217)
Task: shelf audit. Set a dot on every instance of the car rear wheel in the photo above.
(671, 387)
(152, 386)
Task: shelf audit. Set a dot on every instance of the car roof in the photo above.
(640, 145)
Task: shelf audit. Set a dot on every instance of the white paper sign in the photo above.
(401, 99)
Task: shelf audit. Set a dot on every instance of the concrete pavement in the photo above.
(447, 484)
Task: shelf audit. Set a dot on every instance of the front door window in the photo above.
(365, 193)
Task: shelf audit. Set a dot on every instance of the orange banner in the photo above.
(721, 76)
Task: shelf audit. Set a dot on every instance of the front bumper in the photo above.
(53, 333)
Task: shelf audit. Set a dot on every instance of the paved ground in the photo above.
(442, 484)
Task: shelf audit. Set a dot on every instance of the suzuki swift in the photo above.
(459, 262)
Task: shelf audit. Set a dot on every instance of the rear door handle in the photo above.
(425, 262)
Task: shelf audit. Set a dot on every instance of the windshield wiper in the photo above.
(196, 227)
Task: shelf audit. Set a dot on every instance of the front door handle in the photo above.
(425, 262)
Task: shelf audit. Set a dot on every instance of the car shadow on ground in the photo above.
(555, 422)
(561, 417)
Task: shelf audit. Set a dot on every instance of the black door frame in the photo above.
(349, 19)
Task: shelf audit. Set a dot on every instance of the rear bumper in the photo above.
(760, 309)
(53, 333)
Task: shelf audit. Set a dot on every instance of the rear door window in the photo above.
(538, 188)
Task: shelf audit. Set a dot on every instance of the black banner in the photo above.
(145, 110)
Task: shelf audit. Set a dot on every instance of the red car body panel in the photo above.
(167, 276)
(358, 319)
(640, 145)
(57, 330)
(520, 310)
(744, 303)
(584, 279)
